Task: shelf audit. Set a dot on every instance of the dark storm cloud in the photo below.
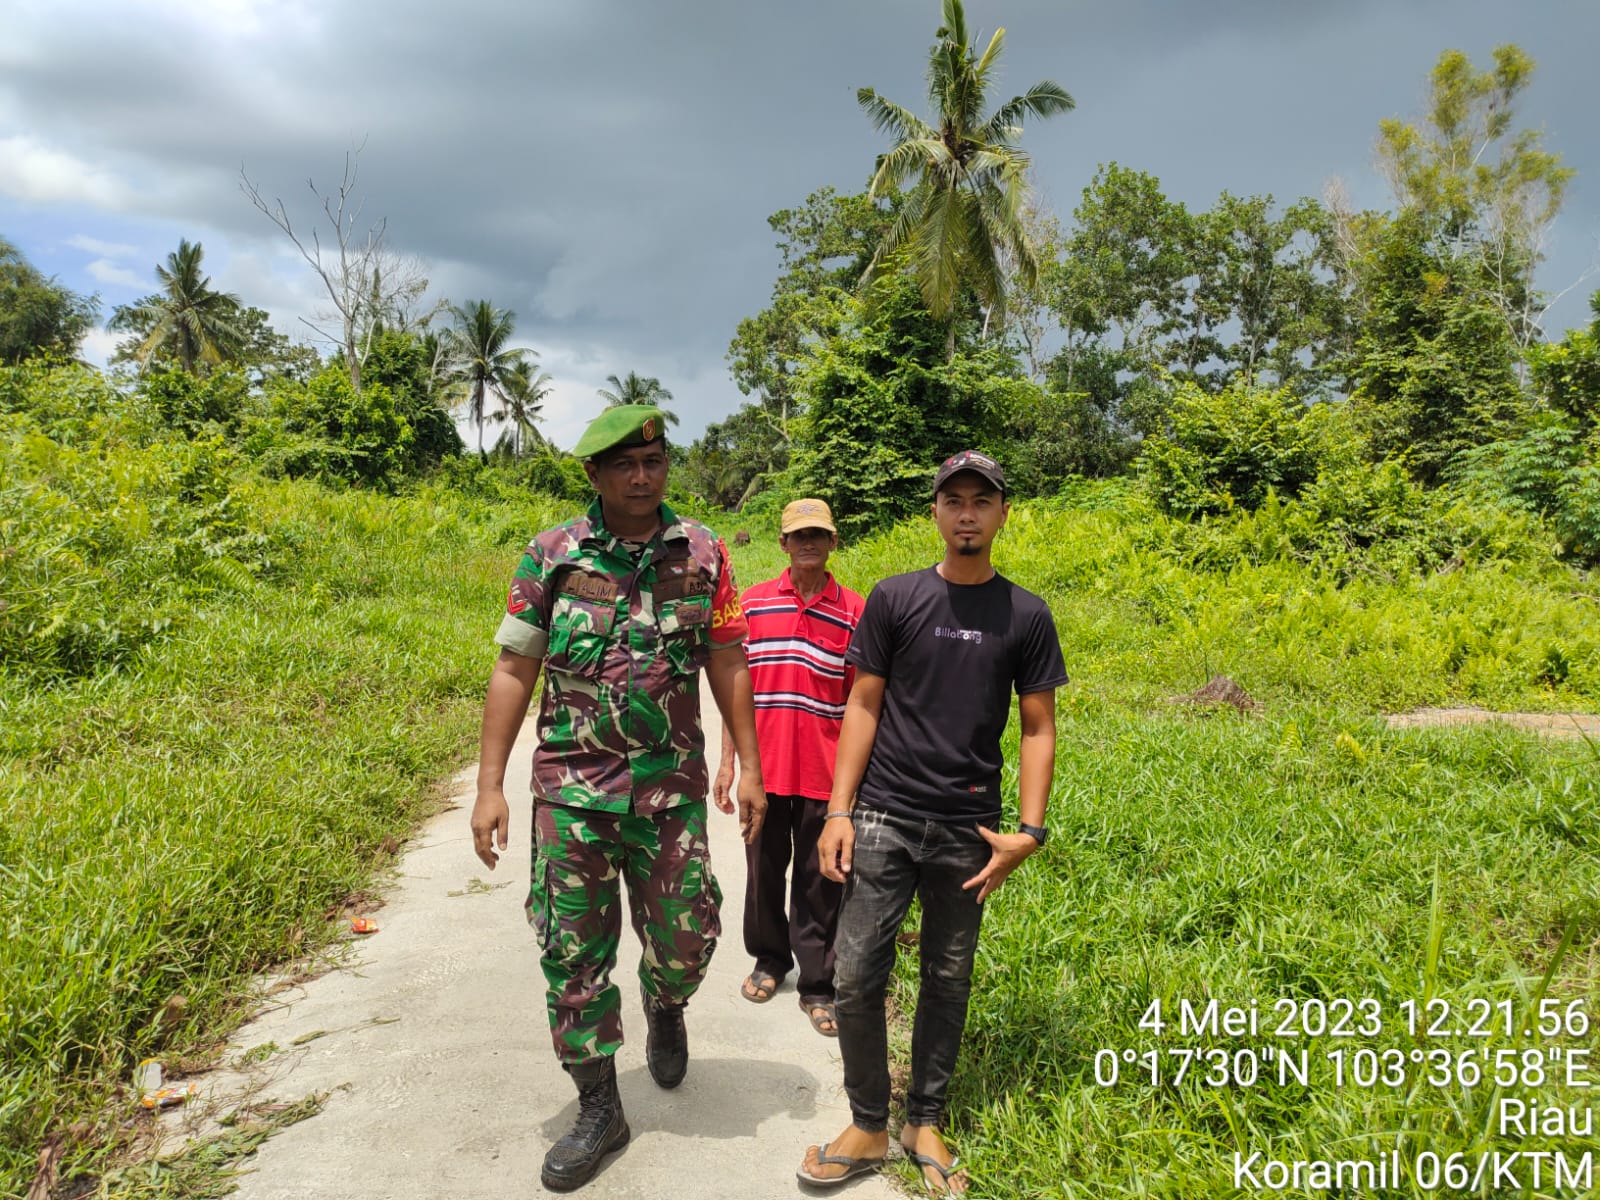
(606, 168)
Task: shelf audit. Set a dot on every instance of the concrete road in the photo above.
(434, 1048)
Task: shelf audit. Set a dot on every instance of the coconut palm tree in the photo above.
(522, 400)
(637, 389)
(481, 355)
(964, 215)
(185, 321)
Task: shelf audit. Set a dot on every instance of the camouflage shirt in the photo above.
(624, 633)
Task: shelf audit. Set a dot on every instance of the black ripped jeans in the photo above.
(896, 858)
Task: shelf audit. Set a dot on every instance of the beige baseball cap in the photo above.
(807, 514)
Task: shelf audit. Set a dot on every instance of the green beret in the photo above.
(623, 425)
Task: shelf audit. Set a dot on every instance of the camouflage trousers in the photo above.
(575, 907)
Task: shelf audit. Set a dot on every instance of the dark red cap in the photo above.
(970, 460)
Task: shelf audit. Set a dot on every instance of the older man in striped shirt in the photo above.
(800, 627)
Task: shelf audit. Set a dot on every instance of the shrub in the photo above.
(70, 403)
(105, 528)
(885, 403)
(1229, 449)
(1363, 518)
(188, 404)
(1566, 374)
(1552, 471)
(325, 428)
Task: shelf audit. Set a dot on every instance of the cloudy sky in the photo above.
(606, 169)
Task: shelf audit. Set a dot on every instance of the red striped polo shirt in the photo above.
(796, 650)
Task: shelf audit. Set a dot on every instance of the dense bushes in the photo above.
(1553, 468)
(108, 532)
(887, 400)
(1363, 519)
(122, 510)
(1551, 471)
(1255, 475)
(326, 429)
(1231, 448)
(219, 696)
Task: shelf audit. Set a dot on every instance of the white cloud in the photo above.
(93, 245)
(269, 275)
(620, 207)
(234, 17)
(99, 344)
(106, 271)
(47, 20)
(32, 171)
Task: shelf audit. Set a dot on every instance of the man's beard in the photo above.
(969, 549)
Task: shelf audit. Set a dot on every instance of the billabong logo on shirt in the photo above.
(961, 635)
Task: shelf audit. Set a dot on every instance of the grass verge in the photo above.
(1287, 864)
(190, 814)
(173, 824)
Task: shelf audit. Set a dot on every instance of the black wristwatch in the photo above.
(1037, 832)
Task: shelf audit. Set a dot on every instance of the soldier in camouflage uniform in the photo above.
(621, 608)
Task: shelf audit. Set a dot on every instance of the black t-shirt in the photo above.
(951, 653)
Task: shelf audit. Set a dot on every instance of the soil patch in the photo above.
(1570, 725)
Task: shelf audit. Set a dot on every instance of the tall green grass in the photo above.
(187, 810)
(1308, 852)
(191, 813)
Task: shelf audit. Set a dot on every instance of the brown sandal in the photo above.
(759, 986)
(824, 1016)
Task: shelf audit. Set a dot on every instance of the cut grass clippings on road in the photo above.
(207, 1169)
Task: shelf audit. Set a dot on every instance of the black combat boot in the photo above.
(600, 1128)
(666, 1046)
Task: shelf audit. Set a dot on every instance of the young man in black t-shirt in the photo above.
(916, 794)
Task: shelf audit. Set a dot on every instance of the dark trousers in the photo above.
(895, 859)
(805, 936)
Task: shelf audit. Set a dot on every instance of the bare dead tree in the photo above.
(1026, 316)
(366, 281)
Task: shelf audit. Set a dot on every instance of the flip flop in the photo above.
(759, 986)
(927, 1160)
(853, 1167)
(818, 1011)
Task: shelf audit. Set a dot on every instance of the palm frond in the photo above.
(996, 162)
(160, 334)
(983, 264)
(904, 227)
(963, 219)
(981, 68)
(937, 251)
(1044, 99)
(888, 117)
(185, 320)
(904, 161)
(635, 389)
(954, 27)
(1002, 213)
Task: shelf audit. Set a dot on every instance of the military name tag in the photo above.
(693, 614)
(676, 580)
(594, 588)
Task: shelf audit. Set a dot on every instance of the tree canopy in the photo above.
(39, 316)
(481, 355)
